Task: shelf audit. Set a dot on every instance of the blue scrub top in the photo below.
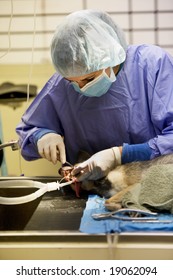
(138, 108)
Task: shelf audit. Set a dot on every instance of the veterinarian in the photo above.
(111, 100)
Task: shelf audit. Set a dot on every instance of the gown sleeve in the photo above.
(161, 107)
(159, 69)
(40, 118)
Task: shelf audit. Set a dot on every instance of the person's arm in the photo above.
(161, 106)
(40, 119)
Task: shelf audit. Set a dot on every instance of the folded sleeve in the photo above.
(136, 152)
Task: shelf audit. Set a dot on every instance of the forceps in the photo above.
(127, 214)
(67, 163)
(133, 215)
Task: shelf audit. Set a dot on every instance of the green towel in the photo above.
(155, 192)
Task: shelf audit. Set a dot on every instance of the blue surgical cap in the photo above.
(87, 41)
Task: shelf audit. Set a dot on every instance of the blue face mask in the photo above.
(98, 86)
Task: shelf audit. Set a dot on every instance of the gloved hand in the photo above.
(51, 146)
(98, 165)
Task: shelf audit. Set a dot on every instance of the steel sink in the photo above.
(48, 229)
(57, 210)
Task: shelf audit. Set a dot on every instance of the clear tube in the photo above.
(42, 189)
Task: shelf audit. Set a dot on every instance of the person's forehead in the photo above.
(83, 77)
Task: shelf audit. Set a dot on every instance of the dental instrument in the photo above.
(133, 215)
(126, 214)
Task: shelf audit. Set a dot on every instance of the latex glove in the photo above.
(99, 165)
(51, 146)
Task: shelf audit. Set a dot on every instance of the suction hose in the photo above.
(42, 189)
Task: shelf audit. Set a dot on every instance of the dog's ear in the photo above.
(82, 156)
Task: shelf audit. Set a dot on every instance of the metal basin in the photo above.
(57, 210)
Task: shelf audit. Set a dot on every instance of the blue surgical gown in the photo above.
(138, 108)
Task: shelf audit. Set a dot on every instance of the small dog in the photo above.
(121, 179)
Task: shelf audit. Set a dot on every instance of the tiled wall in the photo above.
(144, 21)
(149, 21)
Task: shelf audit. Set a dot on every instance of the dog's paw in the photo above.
(112, 206)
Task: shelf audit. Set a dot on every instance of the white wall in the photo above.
(149, 21)
(11, 115)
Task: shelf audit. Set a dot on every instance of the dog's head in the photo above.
(101, 187)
